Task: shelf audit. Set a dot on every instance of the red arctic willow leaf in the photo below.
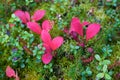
(10, 72)
(46, 25)
(46, 58)
(27, 15)
(35, 27)
(39, 14)
(20, 14)
(45, 36)
(56, 43)
(76, 26)
(92, 30)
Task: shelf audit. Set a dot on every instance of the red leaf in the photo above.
(35, 27)
(47, 48)
(76, 26)
(27, 16)
(39, 14)
(10, 72)
(21, 15)
(46, 58)
(92, 30)
(56, 43)
(45, 36)
(46, 25)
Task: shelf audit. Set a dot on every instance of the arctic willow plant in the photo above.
(78, 28)
(49, 44)
(91, 30)
(31, 22)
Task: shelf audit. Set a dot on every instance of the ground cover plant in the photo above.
(60, 40)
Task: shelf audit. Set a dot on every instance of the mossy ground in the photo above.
(67, 65)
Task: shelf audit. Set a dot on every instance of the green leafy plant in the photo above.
(107, 51)
(86, 73)
(103, 68)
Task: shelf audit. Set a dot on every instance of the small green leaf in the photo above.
(100, 75)
(106, 62)
(38, 57)
(97, 57)
(13, 16)
(83, 78)
(83, 73)
(105, 68)
(51, 70)
(110, 72)
(99, 67)
(11, 20)
(107, 76)
(45, 66)
(22, 65)
(89, 73)
(76, 47)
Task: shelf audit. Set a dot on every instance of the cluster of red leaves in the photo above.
(32, 22)
(49, 44)
(91, 30)
(76, 28)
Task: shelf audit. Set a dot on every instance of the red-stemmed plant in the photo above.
(77, 28)
(50, 45)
